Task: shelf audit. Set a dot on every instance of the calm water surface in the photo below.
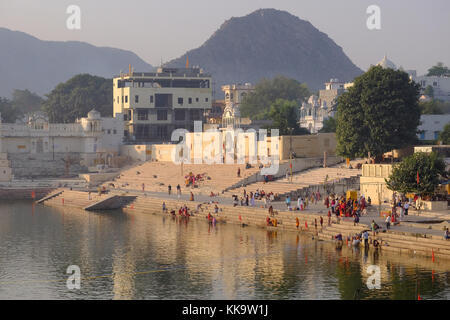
(145, 256)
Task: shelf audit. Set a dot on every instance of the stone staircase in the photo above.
(239, 215)
(302, 182)
(397, 241)
(413, 243)
(156, 176)
(74, 199)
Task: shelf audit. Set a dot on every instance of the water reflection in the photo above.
(145, 256)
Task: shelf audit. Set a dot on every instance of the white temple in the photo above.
(313, 113)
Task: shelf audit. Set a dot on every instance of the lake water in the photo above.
(145, 256)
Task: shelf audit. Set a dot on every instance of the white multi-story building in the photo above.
(152, 105)
(39, 148)
(440, 85)
(313, 113)
(431, 125)
(317, 109)
(234, 95)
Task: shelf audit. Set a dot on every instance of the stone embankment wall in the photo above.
(23, 193)
(44, 164)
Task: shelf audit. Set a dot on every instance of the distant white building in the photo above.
(36, 147)
(440, 85)
(234, 95)
(317, 109)
(431, 125)
(313, 113)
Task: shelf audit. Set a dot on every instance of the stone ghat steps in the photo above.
(312, 177)
(76, 199)
(392, 242)
(408, 242)
(408, 248)
(229, 214)
(222, 176)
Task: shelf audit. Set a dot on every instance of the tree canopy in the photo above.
(429, 91)
(434, 107)
(329, 125)
(428, 166)
(380, 112)
(257, 104)
(76, 97)
(25, 101)
(439, 70)
(284, 116)
(8, 113)
(444, 136)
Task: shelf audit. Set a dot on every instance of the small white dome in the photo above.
(386, 63)
(93, 115)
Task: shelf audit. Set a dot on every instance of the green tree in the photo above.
(429, 166)
(329, 125)
(25, 101)
(439, 70)
(8, 113)
(434, 107)
(256, 105)
(429, 91)
(430, 107)
(444, 136)
(284, 115)
(76, 97)
(380, 112)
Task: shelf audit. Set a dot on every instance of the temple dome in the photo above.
(93, 115)
(386, 63)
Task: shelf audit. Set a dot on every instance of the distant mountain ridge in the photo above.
(267, 43)
(29, 63)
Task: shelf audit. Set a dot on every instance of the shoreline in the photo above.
(393, 240)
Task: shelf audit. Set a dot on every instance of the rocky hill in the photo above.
(29, 63)
(267, 43)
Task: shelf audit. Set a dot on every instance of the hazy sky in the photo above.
(415, 34)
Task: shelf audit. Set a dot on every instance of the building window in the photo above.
(195, 114)
(114, 131)
(118, 100)
(151, 99)
(196, 99)
(126, 99)
(142, 114)
(436, 135)
(163, 100)
(161, 115)
(190, 100)
(109, 131)
(435, 83)
(122, 99)
(180, 101)
(206, 99)
(422, 136)
(136, 99)
(180, 115)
